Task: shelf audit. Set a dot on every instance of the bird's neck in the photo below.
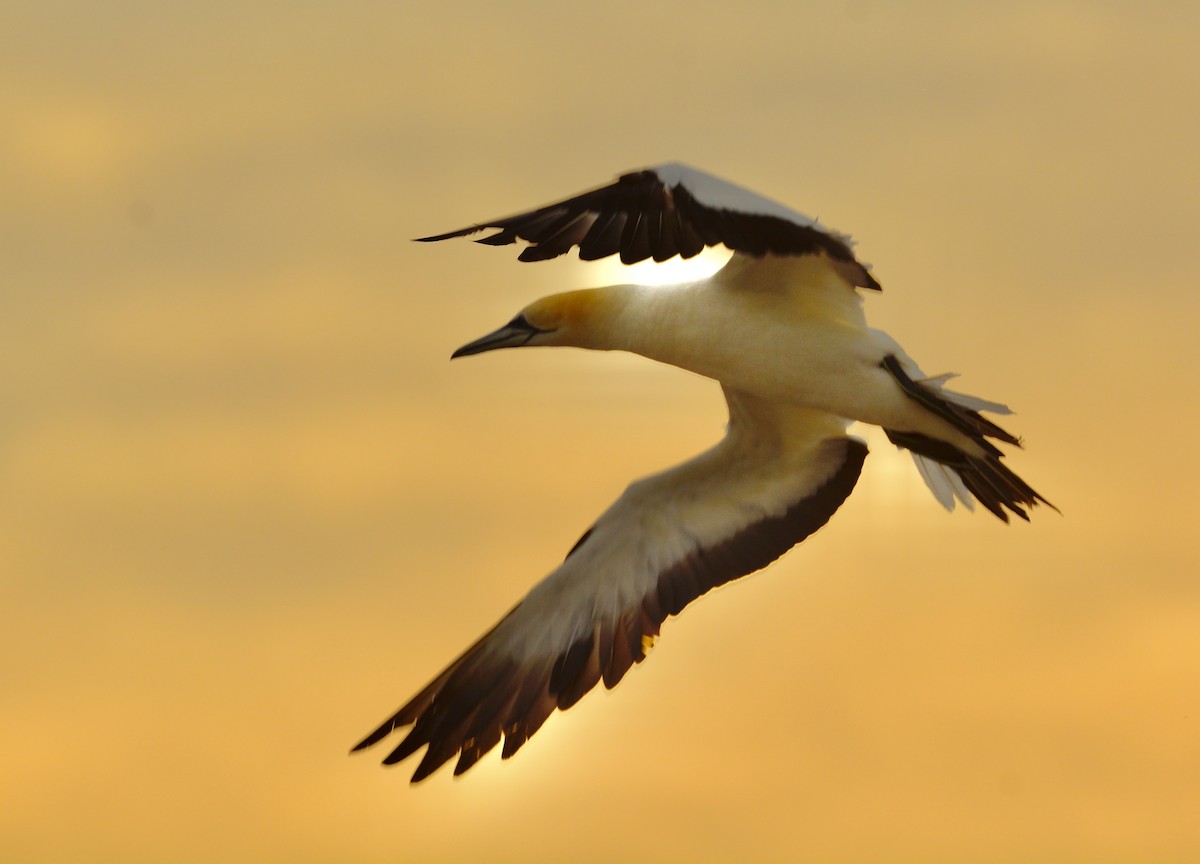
(650, 320)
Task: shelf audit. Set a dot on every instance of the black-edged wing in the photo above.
(669, 539)
(662, 212)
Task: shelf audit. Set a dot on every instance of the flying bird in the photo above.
(781, 327)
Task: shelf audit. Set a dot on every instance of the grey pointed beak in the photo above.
(514, 334)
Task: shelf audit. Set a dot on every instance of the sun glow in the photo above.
(670, 272)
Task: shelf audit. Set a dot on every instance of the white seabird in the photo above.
(781, 327)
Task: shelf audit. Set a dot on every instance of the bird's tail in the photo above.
(951, 473)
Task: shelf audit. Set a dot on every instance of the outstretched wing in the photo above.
(662, 212)
(777, 476)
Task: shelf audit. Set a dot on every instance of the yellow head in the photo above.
(573, 318)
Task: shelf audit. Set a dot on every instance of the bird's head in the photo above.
(573, 318)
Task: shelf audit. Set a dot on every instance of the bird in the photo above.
(781, 328)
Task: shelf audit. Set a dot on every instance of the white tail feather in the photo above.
(945, 484)
(938, 382)
(972, 402)
(935, 481)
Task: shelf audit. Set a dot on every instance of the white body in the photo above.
(788, 330)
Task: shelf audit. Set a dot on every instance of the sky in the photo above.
(248, 506)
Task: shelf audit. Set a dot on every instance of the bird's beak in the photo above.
(514, 334)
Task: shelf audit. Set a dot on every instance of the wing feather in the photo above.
(779, 475)
(662, 212)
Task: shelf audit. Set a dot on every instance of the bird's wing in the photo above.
(950, 472)
(662, 212)
(776, 477)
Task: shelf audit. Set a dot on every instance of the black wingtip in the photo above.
(449, 235)
(378, 735)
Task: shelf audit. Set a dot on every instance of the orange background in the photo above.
(248, 507)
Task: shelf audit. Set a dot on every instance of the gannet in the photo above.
(781, 328)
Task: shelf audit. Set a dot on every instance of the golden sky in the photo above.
(248, 507)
